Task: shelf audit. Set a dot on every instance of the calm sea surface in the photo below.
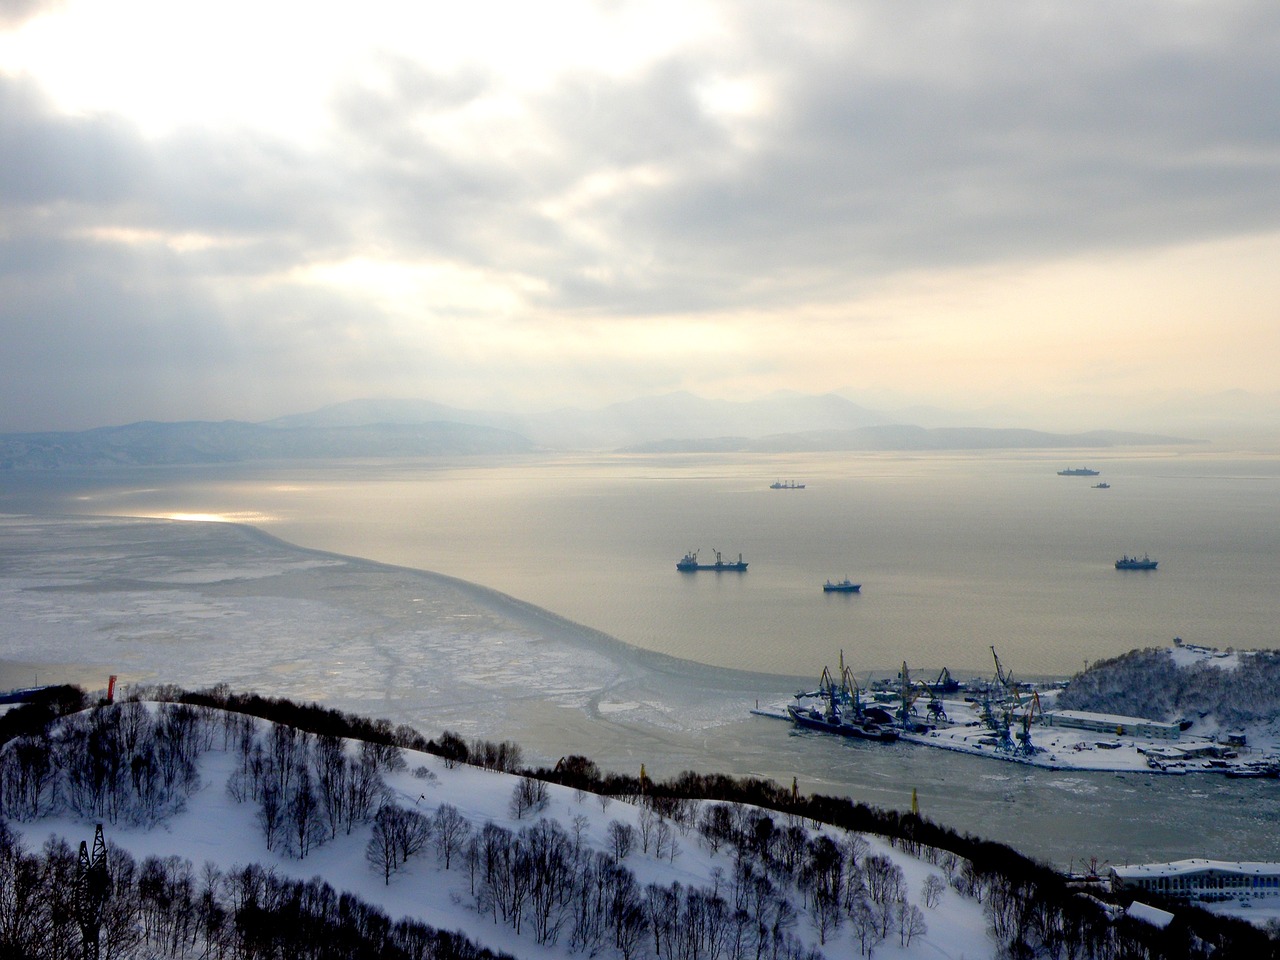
(955, 553)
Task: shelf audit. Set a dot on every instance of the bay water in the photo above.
(956, 554)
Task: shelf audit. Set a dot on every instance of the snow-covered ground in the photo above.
(214, 828)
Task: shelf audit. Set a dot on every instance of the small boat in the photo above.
(1102, 486)
(1077, 472)
(843, 586)
(832, 722)
(786, 485)
(1135, 563)
(689, 563)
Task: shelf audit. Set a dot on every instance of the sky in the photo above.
(242, 210)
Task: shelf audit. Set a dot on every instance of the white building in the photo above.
(1198, 879)
(1112, 724)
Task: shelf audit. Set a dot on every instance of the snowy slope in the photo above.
(214, 828)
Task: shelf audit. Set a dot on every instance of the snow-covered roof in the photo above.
(1108, 718)
(1180, 868)
(1149, 914)
(1187, 654)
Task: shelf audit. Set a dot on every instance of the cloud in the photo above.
(762, 162)
(14, 13)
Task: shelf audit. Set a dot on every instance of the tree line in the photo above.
(165, 907)
(308, 789)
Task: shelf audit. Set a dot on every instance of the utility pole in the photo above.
(91, 893)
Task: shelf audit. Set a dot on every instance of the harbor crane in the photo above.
(936, 707)
(909, 691)
(1025, 747)
(1004, 677)
(851, 689)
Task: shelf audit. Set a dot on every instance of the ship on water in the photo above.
(1077, 472)
(1135, 563)
(786, 485)
(689, 563)
(841, 586)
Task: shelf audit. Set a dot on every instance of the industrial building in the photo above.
(1112, 724)
(1198, 879)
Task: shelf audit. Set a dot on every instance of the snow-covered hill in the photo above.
(693, 878)
(1213, 691)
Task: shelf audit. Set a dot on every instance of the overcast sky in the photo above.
(246, 209)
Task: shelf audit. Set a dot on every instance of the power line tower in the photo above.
(92, 882)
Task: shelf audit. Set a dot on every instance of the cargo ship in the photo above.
(1077, 472)
(1135, 563)
(690, 563)
(841, 586)
(831, 721)
(786, 485)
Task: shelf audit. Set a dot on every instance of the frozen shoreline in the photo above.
(196, 604)
(165, 601)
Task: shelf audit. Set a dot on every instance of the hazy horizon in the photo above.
(1060, 216)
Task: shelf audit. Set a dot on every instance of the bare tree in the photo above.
(910, 922)
(885, 880)
(304, 814)
(716, 825)
(866, 927)
(28, 774)
(645, 824)
(451, 831)
(621, 839)
(382, 851)
(331, 780)
(270, 814)
(663, 837)
(528, 796)
(932, 890)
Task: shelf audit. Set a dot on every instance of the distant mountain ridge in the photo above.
(909, 437)
(194, 442)
(391, 428)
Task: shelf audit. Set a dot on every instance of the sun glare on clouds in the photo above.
(274, 66)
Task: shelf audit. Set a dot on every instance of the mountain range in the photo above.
(405, 428)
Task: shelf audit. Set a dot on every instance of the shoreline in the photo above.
(1072, 748)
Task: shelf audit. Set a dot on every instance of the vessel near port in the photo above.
(690, 563)
(833, 722)
(786, 485)
(1077, 472)
(837, 707)
(1135, 563)
(841, 586)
